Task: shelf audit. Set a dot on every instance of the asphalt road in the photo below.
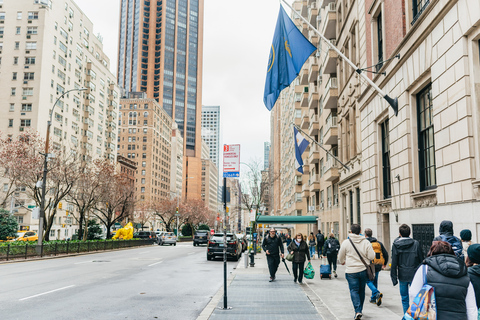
(157, 282)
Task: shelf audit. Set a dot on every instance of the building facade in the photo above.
(266, 155)
(46, 49)
(144, 136)
(160, 53)
(176, 172)
(211, 131)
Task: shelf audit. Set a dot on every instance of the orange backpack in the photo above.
(379, 259)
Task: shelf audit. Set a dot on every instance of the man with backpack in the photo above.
(446, 234)
(380, 262)
(320, 242)
(407, 255)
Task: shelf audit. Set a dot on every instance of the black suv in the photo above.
(146, 235)
(215, 246)
(200, 237)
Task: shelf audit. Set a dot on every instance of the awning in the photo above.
(287, 219)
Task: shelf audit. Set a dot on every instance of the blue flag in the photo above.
(290, 49)
(300, 145)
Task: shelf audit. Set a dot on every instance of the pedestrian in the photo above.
(330, 250)
(272, 245)
(312, 244)
(466, 238)
(454, 294)
(320, 242)
(380, 262)
(288, 239)
(407, 255)
(446, 234)
(352, 252)
(474, 270)
(300, 252)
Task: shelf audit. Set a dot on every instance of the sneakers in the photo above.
(373, 301)
(271, 279)
(379, 299)
(358, 316)
(335, 273)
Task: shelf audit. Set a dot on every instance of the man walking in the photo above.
(320, 243)
(273, 245)
(407, 255)
(352, 251)
(380, 262)
(446, 234)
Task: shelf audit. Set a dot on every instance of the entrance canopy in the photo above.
(287, 219)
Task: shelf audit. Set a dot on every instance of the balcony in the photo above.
(303, 76)
(330, 136)
(305, 190)
(330, 60)
(330, 170)
(312, 69)
(314, 154)
(312, 12)
(330, 26)
(313, 37)
(314, 183)
(326, 3)
(305, 121)
(304, 98)
(314, 125)
(312, 96)
(331, 94)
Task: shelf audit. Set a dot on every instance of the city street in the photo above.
(157, 282)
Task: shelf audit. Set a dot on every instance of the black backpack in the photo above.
(333, 245)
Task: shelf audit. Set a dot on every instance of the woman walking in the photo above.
(454, 294)
(330, 250)
(299, 249)
(312, 244)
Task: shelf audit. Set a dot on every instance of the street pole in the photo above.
(225, 244)
(45, 171)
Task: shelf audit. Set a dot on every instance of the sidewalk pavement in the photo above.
(251, 296)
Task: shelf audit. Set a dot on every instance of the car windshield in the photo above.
(219, 238)
(201, 233)
(19, 234)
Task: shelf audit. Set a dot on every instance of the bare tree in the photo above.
(143, 214)
(165, 209)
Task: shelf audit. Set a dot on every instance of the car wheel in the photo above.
(209, 258)
(194, 244)
(175, 244)
(236, 258)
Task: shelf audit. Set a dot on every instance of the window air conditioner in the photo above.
(28, 36)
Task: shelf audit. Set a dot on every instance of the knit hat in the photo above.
(474, 253)
(466, 235)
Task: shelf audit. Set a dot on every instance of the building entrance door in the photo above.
(424, 234)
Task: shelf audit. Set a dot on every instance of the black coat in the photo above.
(299, 252)
(320, 240)
(273, 245)
(407, 256)
(330, 244)
(448, 275)
(474, 275)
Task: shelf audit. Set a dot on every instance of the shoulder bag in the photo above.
(370, 267)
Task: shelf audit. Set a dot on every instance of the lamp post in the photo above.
(45, 171)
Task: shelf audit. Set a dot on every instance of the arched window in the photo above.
(145, 114)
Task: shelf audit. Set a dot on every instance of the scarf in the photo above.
(297, 243)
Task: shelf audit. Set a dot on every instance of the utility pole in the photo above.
(225, 244)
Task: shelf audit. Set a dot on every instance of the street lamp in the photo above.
(45, 169)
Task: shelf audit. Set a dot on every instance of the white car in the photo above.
(167, 238)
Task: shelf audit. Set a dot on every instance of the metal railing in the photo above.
(331, 122)
(331, 84)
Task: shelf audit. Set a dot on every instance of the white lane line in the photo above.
(150, 265)
(83, 262)
(144, 252)
(41, 294)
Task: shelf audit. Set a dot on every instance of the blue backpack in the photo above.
(455, 243)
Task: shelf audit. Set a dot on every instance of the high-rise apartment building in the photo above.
(211, 131)
(46, 49)
(266, 155)
(160, 53)
(209, 179)
(145, 135)
(176, 172)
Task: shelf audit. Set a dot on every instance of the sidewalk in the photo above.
(251, 296)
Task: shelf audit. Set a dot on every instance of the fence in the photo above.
(25, 251)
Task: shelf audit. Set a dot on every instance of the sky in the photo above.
(237, 39)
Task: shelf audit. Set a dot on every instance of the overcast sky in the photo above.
(237, 39)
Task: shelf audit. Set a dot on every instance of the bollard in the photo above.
(252, 259)
(245, 259)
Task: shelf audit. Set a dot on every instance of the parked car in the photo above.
(146, 235)
(243, 241)
(27, 236)
(167, 238)
(200, 237)
(216, 244)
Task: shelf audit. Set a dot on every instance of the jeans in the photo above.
(373, 285)
(404, 294)
(273, 262)
(312, 251)
(319, 250)
(298, 270)
(332, 260)
(356, 284)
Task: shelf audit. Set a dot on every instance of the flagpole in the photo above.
(392, 102)
(318, 144)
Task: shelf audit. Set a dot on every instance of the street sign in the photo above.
(177, 214)
(31, 206)
(252, 215)
(212, 232)
(231, 160)
(35, 213)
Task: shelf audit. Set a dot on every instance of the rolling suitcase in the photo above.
(325, 270)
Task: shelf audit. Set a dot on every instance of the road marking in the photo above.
(83, 262)
(144, 252)
(150, 265)
(41, 294)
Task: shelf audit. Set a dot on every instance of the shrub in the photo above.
(8, 225)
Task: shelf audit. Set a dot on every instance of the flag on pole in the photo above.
(300, 145)
(289, 51)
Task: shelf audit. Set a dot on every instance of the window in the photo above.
(17, 45)
(14, 76)
(29, 60)
(426, 143)
(144, 164)
(19, 15)
(418, 6)
(32, 15)
(387, 188)
(26, 107)
(379, 41)
(143, 189)
(29, 76)
(25, 122)
(27, 91)
(32, 30)
(143, 180)
(15, 60)
(13, 91)
(12, 106)
(2, 16)
(10, 123)
(31, 46)
(18, 30)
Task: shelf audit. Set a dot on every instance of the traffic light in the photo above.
(176, 210)
(66, 213)
(228, 209)
(59, 205)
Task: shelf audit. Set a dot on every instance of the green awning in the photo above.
(287, 219)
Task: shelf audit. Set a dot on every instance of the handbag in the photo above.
(423, 306)
(370, 267)
(309, 272)
(289, 257)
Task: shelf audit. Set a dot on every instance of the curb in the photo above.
(321, 307)
(68, 255)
